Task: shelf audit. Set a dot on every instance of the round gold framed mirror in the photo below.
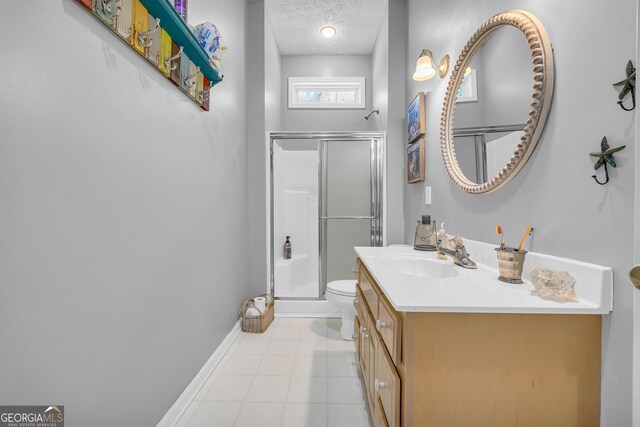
(502, 145)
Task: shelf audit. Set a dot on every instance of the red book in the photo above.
(205, 94)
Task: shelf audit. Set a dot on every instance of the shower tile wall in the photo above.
(296, 215)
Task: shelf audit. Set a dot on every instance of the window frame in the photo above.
(295, 84)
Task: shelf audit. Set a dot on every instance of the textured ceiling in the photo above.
(297, 24)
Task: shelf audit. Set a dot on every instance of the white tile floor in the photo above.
(299, 373)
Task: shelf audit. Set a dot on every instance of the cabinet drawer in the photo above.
(369, 290)
(389, 324)
(387, 387)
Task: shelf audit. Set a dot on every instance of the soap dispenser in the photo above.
(443, 240)
(425, 239)
(287, 248)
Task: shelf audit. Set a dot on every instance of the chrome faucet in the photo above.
(458, 253)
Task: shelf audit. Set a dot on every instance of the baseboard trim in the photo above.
(177, 409)
(314, 315)
(296, 308)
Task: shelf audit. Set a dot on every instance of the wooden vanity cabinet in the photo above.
(423, 369)
(378, 347)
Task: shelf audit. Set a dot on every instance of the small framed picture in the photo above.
(416, 118)
(415, 162)
(468, 90)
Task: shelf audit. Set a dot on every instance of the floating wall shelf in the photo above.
(154, 30)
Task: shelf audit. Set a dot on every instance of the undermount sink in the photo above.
(418, 265)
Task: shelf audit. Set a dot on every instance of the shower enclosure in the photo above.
(326, 193)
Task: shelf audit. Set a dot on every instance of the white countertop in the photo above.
(480, 291)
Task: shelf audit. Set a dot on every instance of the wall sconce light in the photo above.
(426, 69)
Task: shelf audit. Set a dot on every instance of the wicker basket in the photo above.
(257, 324)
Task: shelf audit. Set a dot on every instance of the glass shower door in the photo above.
(326, 196)
(349, 210)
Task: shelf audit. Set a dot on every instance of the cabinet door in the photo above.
(379, 418)
(372, 350)
(356, 336)
(386, 383)
(365, 337)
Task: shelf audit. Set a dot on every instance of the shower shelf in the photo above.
(283, 261)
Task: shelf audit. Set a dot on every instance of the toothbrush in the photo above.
(499, 231)
(527, 233)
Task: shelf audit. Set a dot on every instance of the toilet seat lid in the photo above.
(342, 287)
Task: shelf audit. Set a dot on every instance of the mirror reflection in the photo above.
(492, 104)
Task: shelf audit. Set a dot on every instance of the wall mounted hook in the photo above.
(190, 81)
(605, 156)
(628, 85)
(168, 62)
(606, 176)
(144, 37)
(110, 7)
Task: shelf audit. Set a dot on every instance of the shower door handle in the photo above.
(347, 217)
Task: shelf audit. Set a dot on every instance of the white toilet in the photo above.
(341, 294)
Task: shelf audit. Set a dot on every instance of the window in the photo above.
(326, 92)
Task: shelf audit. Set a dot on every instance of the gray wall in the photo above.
(380, 74)
(273, 79)
(264, 114)
(388, 59)
(396, 127)
(123, 216)
(573, 216)
(325, 66)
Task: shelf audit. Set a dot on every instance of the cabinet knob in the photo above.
(355, 270)
(380, 324)
(377, 384)
(363, 333)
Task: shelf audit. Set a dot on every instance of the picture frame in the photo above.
(468, 90)
(415, 161)
(416, 118)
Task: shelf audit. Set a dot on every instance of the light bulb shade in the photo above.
(467, 71)
(423, 73)
(426, 69)
(424, 66)
(328, 31)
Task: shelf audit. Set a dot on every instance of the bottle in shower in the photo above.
(287, 248)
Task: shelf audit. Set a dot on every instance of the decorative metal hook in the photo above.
(633, 103)
(110, 7)
(144, 37)
(168, 61)
(605, 156)
(606, 176)
(190, 81)
(628, 85)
